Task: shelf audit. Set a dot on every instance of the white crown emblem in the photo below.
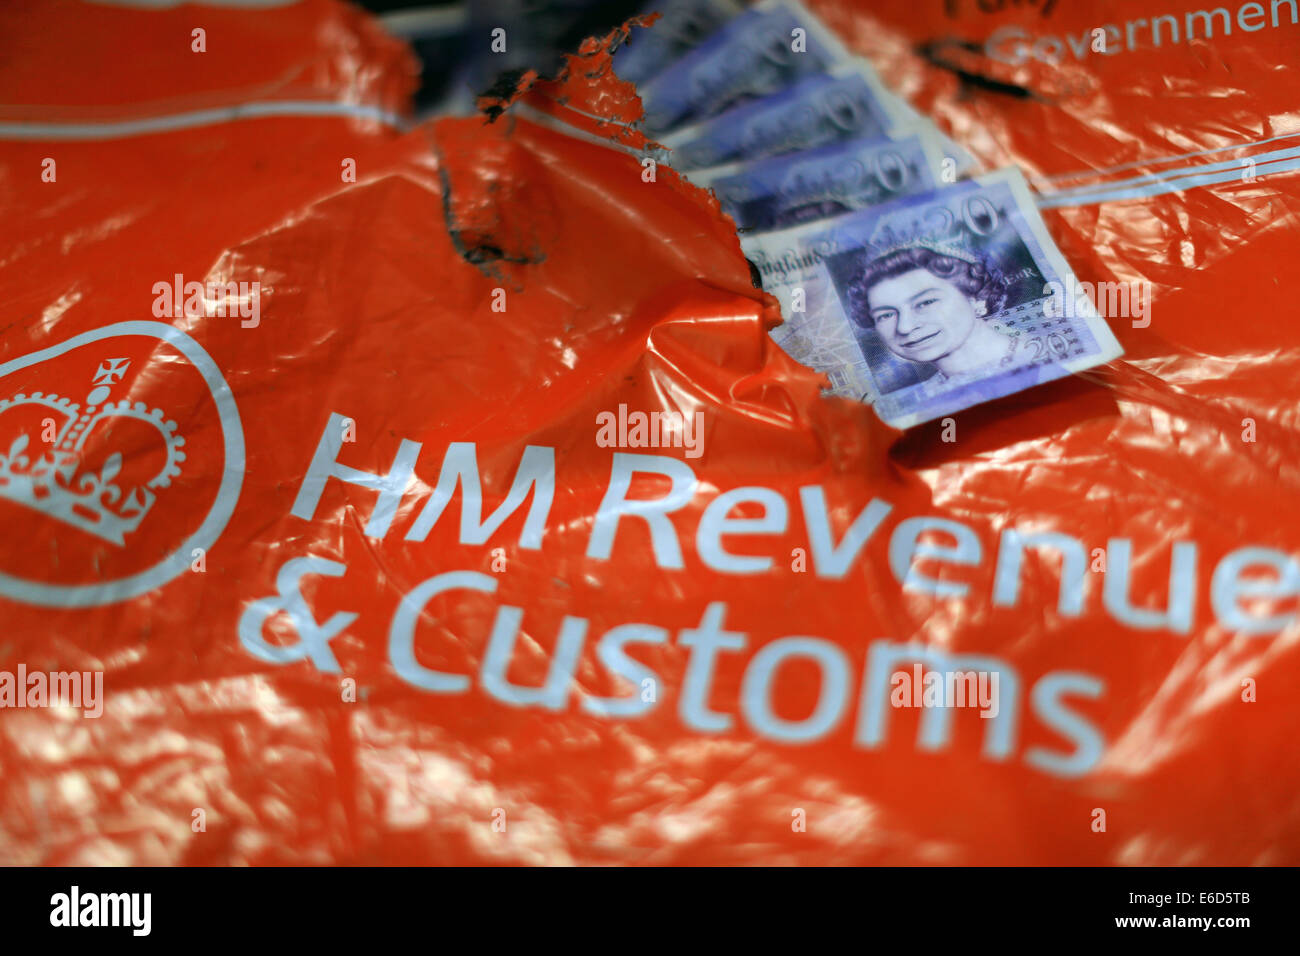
(57, 484)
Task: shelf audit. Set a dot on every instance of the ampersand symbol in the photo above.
(313, 638)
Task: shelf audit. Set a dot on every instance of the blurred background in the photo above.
(456, 70)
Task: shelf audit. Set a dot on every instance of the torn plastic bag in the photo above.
(400, 572)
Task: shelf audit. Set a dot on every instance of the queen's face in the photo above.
(921, 317)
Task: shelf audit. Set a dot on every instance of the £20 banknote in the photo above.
(767, 48)
(682, 26)
(932, 303)
(784, 191)
(820, 109)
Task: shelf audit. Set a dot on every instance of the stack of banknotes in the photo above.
(913, 281)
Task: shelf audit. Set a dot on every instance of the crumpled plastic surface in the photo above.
(382, 304)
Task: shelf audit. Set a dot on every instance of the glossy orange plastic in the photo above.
(505, 285)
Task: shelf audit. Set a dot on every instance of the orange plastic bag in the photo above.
(424, 588)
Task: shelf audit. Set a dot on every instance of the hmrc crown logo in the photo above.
(92, 473)
(58, 484)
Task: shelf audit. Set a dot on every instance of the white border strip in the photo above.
(1175, 181)
(1137, 164)
(177, 121)
(1119, 185)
